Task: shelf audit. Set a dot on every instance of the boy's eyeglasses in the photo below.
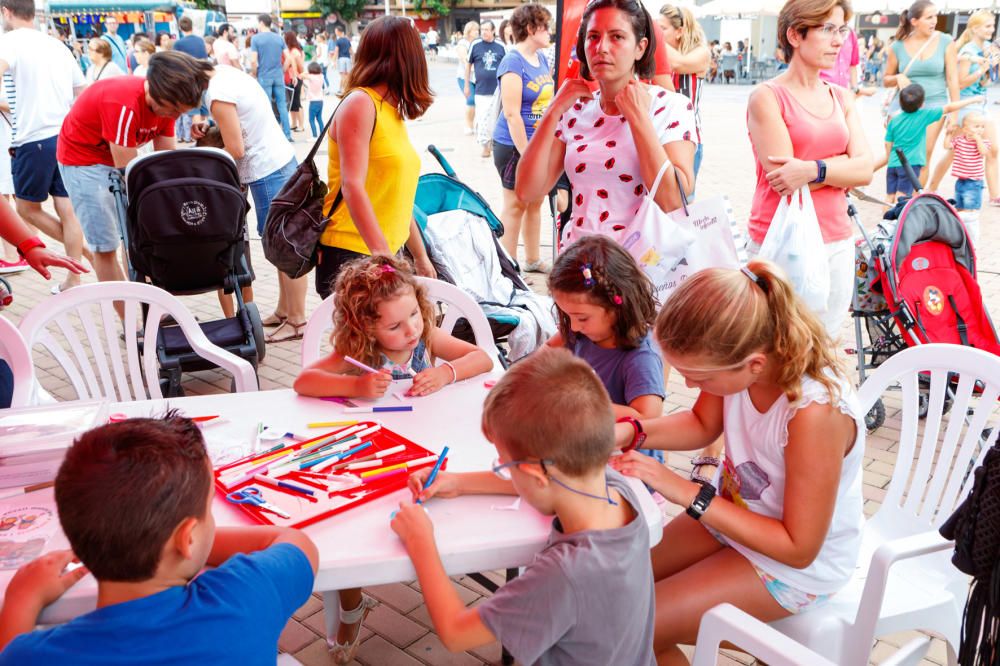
(502, 470)
(829, 30)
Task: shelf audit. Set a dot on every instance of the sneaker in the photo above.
(995, 201)
(7, 267)
(539, 266)
(467, 131)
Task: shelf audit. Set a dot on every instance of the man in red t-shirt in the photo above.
(103, 133)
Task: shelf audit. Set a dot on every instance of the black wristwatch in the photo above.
(820, 171)
(701, 501)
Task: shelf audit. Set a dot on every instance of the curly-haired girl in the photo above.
(606, 310)
(784, 532)
(383, 319)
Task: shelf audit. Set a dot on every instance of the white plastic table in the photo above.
(357, 548)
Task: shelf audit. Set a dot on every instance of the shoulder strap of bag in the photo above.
(916, 56)
(319, 142)
(680, 188)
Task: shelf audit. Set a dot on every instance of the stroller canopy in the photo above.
(928, 217)
(209, 163)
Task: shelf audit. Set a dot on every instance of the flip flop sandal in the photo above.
(278, 336)
(274, 320)
(343, 653)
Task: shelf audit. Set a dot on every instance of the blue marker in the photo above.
(434, 472)
(376, 410)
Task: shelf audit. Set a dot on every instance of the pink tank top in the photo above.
(813, 138)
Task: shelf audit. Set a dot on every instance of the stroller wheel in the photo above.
(875, 416)
(258, 330)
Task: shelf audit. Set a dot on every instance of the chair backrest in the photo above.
(18, 357)
(457, 305)
(80, 329)
(934, 463)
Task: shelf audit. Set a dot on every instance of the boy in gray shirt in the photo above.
(587, 597)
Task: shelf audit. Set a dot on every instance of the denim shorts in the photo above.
(343, 65)
(968, 194)
(36, 172)
(471, 99)
(265, 189)
(896, 180)
(94, 204)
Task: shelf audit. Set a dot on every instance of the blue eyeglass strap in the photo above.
(607, 490)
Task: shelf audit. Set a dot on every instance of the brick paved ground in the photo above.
(399, 631)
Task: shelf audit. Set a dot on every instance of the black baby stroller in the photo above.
(462, 236)
(184, 230)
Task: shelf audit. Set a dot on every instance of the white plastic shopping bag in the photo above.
(794, 242)
(670, 247)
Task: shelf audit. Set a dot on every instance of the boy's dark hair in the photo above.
(125, 487)
(552, 406)
(642, 27)
(265, 19)
(615, 283)
(211, 139)
(911, 98)
(177, 78)
(22, 9)
(315, 68)
(532, 16)
(185, 24)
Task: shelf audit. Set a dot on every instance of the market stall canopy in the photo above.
(739, 8)
(97, 6)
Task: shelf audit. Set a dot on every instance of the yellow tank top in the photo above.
(391, 184)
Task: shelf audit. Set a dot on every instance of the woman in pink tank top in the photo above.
(805, 131)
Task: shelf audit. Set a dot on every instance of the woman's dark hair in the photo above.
(315, 68)
(390, 53)
(599, 267)
(160, 36)
(915, 11)
(503, 27)
(526, 19)
(642, 27)
(291, 40)
(176, 78)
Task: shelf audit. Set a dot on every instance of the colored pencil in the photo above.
(14, 492)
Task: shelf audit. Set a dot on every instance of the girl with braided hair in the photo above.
(606, 310)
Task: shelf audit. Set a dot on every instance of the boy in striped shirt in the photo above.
(970, 148)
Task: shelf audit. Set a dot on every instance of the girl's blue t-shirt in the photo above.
(976, 89)
(536, 93)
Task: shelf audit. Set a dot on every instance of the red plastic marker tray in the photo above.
(306, 511)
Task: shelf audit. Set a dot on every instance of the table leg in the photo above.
(331, 611)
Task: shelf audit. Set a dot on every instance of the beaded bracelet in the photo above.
(697, 463)
(454, 372)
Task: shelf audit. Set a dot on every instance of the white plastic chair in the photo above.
(905, 580)
(95, 363)
(458, 304)
(18, 357)
(728, 623)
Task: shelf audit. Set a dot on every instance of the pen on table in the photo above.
(434, 472)
(283, 485)
(14, 492)
(359, 364)
(330, 424)
(256, 439)
(376, 410)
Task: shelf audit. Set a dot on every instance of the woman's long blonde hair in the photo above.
(976, 21)
(727, 316)
(361, 287)
(683, 20)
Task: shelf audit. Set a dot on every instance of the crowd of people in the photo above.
(775, 529)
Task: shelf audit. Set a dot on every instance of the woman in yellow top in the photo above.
(373, 167)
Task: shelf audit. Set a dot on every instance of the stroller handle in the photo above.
(908, 169)
(433, 150)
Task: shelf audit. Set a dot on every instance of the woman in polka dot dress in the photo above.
(611, 143)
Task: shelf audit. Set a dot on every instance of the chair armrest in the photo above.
(883, 558)
(727, 623)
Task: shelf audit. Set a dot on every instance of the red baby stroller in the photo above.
(916, 284)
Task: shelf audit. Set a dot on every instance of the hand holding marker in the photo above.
(434, 472)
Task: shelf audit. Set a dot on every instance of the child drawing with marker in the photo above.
(779, 529)
(383, 319)
(606, 310)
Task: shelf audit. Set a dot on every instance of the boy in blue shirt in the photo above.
(135, 502)
(908, 132)
(587, 597)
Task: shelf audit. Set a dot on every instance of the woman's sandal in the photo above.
(343, 653)
(274, 320)
(286, 331)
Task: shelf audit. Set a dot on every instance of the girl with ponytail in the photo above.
(778, 530)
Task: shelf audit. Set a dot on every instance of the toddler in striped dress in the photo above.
(970, 147)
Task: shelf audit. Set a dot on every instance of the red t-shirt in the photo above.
(110, 111)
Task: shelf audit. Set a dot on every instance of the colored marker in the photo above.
(337, 456)
(203, 419)
(383, 475)
(330, 424)
(374, 460)
(274, 483)
(434, 472)
(359, 364)
(376, 410)
(403, 465)
(256, 441)
(14, 492)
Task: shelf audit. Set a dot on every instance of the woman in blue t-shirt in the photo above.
(525, 92)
